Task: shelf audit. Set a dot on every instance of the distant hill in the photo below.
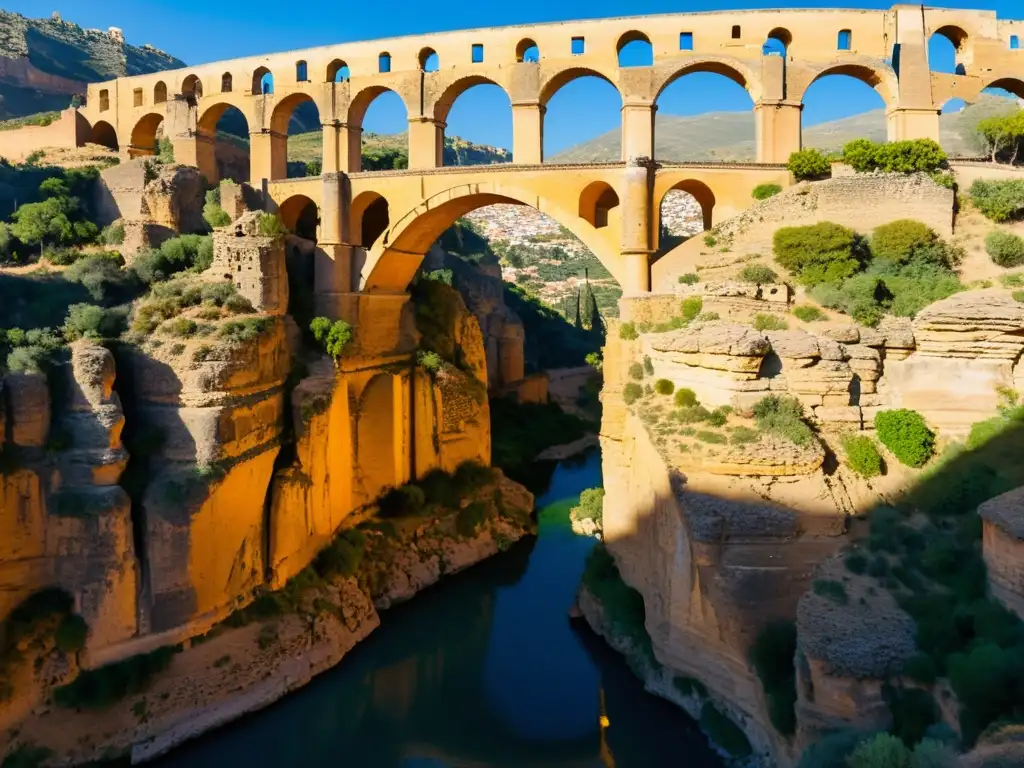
(729, 136)
(44, 62)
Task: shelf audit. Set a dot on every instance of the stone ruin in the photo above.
(255, 263)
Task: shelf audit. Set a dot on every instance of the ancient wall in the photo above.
(69, 131)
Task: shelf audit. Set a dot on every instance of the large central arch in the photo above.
(393, 259)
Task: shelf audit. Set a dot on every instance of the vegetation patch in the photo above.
(906, 435)
(764, 191)
(758, 274)
(808, 313)
(768, 322)
(862, 455)
(333, 337)
(1005, 248)
(914, 155)
(998, 200)
(809, 165)
(783, 417)
(102, 687)
(819, 253)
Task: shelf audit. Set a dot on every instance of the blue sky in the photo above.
(197, 31)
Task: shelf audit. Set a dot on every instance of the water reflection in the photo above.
(483, 670)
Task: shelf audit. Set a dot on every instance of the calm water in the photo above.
(484, 669)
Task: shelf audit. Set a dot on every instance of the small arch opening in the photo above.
(262, 79)
(228, 129)
(462, 119)
(226, 83)
(337, 72)
(838, 95)
(384, 63)
(301, 72)
(736, 32)
(103, 133)
(192, 89)
(687, 209)
(597, 200)
(777, 43)
(429, 60)
(527, 51)
(635, 50)
(160, 93)
(300, 216)
(382, 115)
(946, 49)
(370, 217)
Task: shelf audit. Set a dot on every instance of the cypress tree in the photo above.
(590, 310)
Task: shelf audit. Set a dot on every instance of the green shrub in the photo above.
(689, 278)
(439, 488)
(831, 750)
(998, 200)
(913, 711)
(1018, 295)
(429, 361)
(984, 680)
(402, 501)
(193, 252)
(213, 213)
(627, 331)
(759, 274)
(710, 240)
(743, 436)
(718, 417)
(90, 321)
(631, 393)
(71, 634)
(906, 435)
(899, 240)
(470, 518)
(342, 557)
(243, 330)
(113, 234)
(861, 455)
(28, 359)
(818, 253)
(909, 156)
(182, 327)
(685, 397)
(856, 562)
(921, 668)
(470, 476)
(270, 225)
(623, 606)
(783, 417)
(764, 191)
(767, 322)
(808, 313)
(943, 179)
(664, 387)
(723, 731)
(648, 365)
(809, 164)
(713, 438)
(636, 371)
(830, 589)
(881, 751)
(1005, 248)
(590, 507)
(691, 307)
(332, 336)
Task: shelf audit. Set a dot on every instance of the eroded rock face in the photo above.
(174, 199)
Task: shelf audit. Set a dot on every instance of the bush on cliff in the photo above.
(923, 155)
(818, 253)
(590, 507)
(1005, 248)
(898, 241)
(758, 274)
(664, 387)
(998, 200)
(685, 397)
(631, 393)
(862, 455)
(191, 252)
(403, 501)
(764, 191)
(906, 435)
(214, 215)
(99, 688)
(881, 751)
(783, 417)
(808, 165)
(332, 337)
(470, 518)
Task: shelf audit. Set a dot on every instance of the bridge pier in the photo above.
(908, 123)
(528, 132)
(197, 149)
(778, 129)
(637, 195)
(426, 143)
(333, 264)
(268, 156)
(638, 130)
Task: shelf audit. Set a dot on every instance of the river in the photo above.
(484, 669)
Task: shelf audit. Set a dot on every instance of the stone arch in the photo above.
(300, 216)
(369, 217)
(783, 36)
(160, 93)
(959, 39)
(212, 150)
(226, 83)
(560, 79)
(103, 133)
(359, 105)
(527, 51)
(444, 103)
(143, 141)
(1013, 84)
(701, 192)
(596, 200)
(192, 89)
(377, 447)
(882, 80)
(280, 121)
(428, 60)
(394, 259)
(734, 70)
(338, 72)
(257, 81)
(641, 44)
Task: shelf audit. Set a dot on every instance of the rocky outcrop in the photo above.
(154, 201)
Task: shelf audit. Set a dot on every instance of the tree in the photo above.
(1003, 135)
(45, 223)
(578, 322)
(595, 323)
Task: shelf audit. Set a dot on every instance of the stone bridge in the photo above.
(374, 227)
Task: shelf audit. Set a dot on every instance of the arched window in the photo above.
(384, 63)
(429, 60)
(160, 93)
(192, 89)
(845, 40)
(527, 51)
(337, 71)
(262, 82)
(736, 32)
(777, 43)
(596, 201)
(634, 50)
(301, 72)
(225, 83)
